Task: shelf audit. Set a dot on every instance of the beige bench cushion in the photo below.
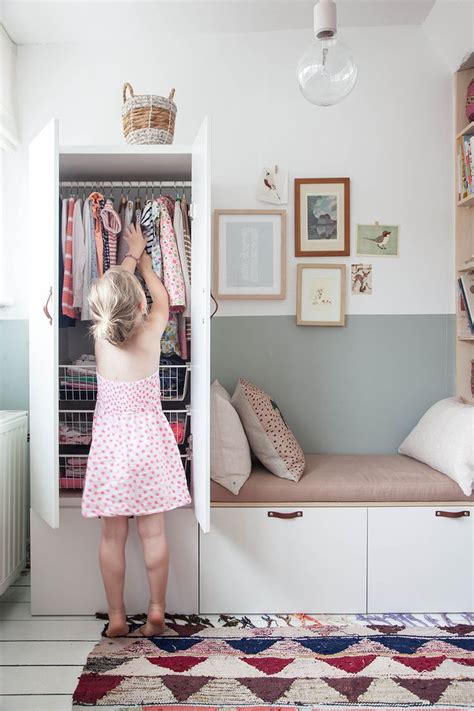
(342, 478)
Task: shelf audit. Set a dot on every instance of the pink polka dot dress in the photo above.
(134, 465)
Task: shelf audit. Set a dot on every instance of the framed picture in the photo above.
(322, 217)
(321, 294)
(378, 240)
(361, 279)
(250, 254)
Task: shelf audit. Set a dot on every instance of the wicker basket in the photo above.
(148, 118)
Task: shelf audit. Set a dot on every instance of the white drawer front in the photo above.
(253, 563)
(66, 577)
(419, 561)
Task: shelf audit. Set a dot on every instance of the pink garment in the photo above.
(112, 226)
(172, 272)
(134, 465)
(68, 286)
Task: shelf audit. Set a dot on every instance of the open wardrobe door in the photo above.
(43, 246)
(200, 324)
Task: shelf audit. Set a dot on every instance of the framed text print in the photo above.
(322, 217)
(250, 254)
(321, 295)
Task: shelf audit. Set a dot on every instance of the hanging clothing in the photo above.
(170, 338)
(187, 233)
(78, 253)
(179, 233)
(97, 204)
(173, 279)
(90, 259)
(112, 226)
(63, 321)
(182, 335)
(126, 222)
(68, 283)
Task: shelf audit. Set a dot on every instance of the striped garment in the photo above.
(68, 286)
(97, 203)
(187, 232)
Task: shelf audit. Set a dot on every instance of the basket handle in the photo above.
(124, 91)
(171, 96)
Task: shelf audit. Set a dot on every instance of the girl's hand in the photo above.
(136, 240)
(145, 264)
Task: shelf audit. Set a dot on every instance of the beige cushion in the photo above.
(230, 452)
(271, 440)
(444, 439)
(340, 478)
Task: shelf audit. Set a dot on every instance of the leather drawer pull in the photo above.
(453, 514)
(281, 514)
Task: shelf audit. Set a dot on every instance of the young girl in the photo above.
(134, 466)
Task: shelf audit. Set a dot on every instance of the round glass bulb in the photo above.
(326, 72)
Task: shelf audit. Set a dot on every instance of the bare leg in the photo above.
(112, 566)
(151, 529)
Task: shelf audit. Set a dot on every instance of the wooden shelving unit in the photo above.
(464, 237)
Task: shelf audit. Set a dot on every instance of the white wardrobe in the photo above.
(64, 545)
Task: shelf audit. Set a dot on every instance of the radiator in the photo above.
(13, 495)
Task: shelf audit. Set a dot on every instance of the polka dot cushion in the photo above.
(270, 438)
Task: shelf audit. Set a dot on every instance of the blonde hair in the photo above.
(114, 301)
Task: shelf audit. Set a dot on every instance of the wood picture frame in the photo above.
(249, 256)
(312, 298)
(333, 196)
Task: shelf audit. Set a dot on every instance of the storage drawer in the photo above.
(419, 561)
(251, 562)
(65, 574)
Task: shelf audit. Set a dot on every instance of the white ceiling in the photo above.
(35, 21)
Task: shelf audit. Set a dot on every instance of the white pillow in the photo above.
(230, 451)
(444, 439)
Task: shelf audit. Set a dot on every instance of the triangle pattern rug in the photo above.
(310, 666)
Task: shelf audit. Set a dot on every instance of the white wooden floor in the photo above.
(41, 658)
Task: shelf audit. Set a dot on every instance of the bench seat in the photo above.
(347, 478)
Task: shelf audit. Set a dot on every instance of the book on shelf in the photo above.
(466, 284)
(465, 167)
(465, 326)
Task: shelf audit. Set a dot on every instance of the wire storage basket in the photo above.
(148, 118)
(78, 383)
(75, 427)
(178, 420)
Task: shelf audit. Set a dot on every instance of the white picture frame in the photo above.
(249, 254)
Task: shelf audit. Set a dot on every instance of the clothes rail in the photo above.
(126, 183)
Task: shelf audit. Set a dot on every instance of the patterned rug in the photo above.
(293, 662)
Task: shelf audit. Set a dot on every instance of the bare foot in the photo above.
(117, 626)
(155, 622)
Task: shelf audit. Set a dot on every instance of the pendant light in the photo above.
(326, 72)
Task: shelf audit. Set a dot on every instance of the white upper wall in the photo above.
(393, 137)
(450, 25)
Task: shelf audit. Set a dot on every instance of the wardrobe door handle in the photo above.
(453, 514)
(45, 307)
(281, 514)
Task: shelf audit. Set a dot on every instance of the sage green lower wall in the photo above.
(360, 388)
(14, 375)
(357, 389)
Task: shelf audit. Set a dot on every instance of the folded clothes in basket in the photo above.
(74, 383)
(77, 462)
(69, 435)
(71, 482)
(172, 378)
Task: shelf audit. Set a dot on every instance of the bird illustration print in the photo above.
(381, 240)
(268, 182)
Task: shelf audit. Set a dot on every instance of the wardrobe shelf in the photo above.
(467, 130)
(125, 163)
(467, 201)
